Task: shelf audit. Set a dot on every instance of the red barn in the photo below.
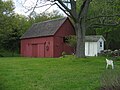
(46, 39)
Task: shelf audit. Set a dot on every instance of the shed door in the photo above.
(92, 49)
(34, 50)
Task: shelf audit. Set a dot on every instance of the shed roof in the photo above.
(93, 38)
(45, 28)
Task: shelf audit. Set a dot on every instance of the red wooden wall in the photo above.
(37, 47)
(59, 46)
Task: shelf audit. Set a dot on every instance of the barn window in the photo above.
(65, 39)
(100, 44)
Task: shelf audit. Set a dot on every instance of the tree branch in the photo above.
(63, 10)
(103, 16)
(29, 9)
(108, 24)
(33, 9)
(73, 9)
(66, 8)
(45, 5)
(63, 5)
(101, 25)
(49, 7)
(84, 9)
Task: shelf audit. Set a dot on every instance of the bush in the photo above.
(110, 53)
(63, 54)
(114, 55)
(110, 80)
(5, 53)
(118, 59)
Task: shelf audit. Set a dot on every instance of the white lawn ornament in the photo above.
(109, 62)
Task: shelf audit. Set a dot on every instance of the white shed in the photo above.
(94, 44)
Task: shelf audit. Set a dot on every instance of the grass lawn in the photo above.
(18, 73)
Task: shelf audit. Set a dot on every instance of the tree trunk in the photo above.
(80, 28)
(80, 33)
(107, 43)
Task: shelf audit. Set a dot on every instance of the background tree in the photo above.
(105, 20)
(6, 11)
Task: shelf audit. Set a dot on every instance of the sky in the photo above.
(21, 10)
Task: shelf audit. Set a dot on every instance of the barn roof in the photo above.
(45, 28)
(93, 38)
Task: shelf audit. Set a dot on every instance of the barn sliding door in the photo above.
(38, 50)
(34, 50)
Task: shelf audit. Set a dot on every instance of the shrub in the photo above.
(63, 54)
(110, 80)
(110, 52)
(114, 55)
(5, 53)
(71, 40)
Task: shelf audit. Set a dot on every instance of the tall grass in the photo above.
(110, 80)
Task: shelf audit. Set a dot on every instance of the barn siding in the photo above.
(37, 47)
(59, 46)
(65, 30)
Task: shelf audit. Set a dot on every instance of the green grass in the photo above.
(17, 73)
